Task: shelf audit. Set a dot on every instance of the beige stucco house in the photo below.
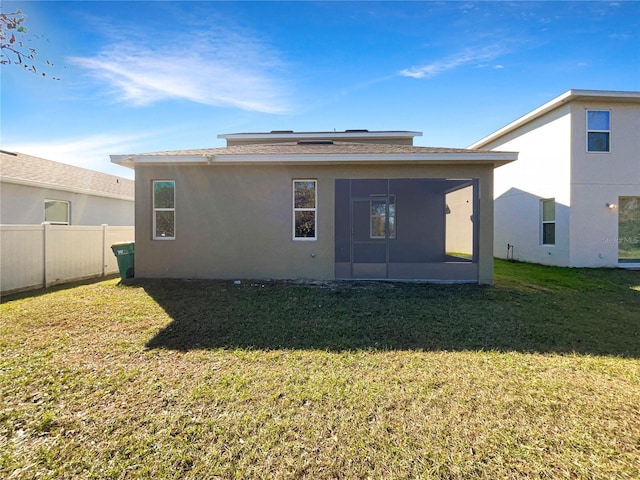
(356, 204)
(573, 197)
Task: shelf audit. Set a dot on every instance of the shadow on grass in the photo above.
(397, 316)
(36, 292)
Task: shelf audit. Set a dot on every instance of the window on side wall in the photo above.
(548, 222)
(57, 212)
(304, 210)
(598, 131)
(164, 210)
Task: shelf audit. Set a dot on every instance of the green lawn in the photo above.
(536, 377)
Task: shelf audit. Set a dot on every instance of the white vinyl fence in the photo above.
(34, 256)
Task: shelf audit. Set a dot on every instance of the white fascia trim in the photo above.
(494, 158)
(62, 188)
(568, 96)
(124, 160)
(371, 158)
(131, 161)
(547, 107)
(319, 135)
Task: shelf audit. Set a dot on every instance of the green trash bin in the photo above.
(125, 253)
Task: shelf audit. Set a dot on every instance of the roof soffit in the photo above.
(457, 158)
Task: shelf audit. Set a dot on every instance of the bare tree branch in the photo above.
(12, 48)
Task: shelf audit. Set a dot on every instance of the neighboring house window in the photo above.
(304, 210)
(379, 217)
(164, 210)
(548, 208)
(57, 212)
(598, 130)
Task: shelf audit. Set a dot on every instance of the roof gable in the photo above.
(567, 97)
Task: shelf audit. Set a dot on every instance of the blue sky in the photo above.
(150, 76)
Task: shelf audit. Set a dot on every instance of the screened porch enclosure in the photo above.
(407, 229)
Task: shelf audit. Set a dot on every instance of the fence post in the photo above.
(46, 228)
(104, 248)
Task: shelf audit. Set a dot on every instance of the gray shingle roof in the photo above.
(310, 148)
(22, 168)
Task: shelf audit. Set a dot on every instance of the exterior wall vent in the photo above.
(315, 142)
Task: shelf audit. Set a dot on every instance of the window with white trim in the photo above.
(548, 221)
(164, 209)
(304, 210)
(598, 131)
(57, 212)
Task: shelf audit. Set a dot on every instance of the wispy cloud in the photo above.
(208, 66)
(470, 56)
(90, 152)
(621, 36)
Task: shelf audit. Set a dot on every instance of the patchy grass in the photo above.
(536, 377)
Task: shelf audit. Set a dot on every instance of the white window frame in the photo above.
(44, 211)
(304, 209)
(544, 222)
(593, 130)
(154, 209)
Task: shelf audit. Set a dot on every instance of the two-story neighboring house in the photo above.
(573, 196)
